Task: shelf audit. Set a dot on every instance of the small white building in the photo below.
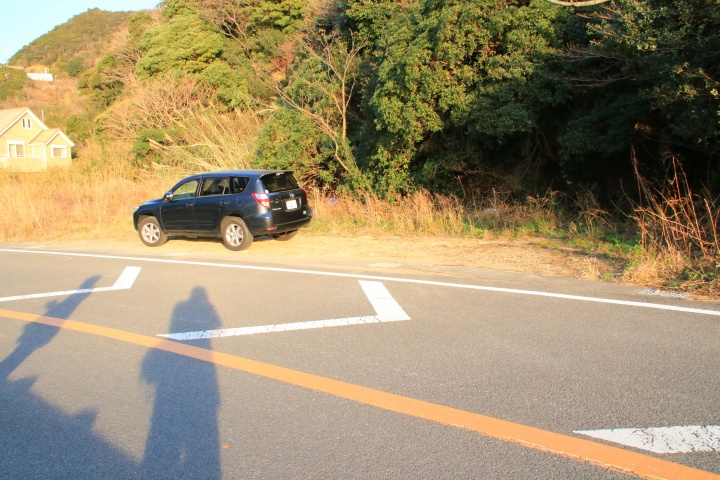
(41, 77)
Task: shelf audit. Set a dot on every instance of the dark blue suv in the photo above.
(236, 205)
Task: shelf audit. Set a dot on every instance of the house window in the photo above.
(26, 123)
(16, 150)
(59, 152)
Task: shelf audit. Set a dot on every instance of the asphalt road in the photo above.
(90, 390)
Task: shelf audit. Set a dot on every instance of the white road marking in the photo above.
(657, 306)
(386, 310)
(687, 439)
(127, 278)
(124, 282)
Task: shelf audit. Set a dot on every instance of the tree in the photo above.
(646, 79)
(469, 75)
(321, 89)
(12, 82)
(185, 43)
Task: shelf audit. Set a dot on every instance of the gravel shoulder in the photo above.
(527, 255)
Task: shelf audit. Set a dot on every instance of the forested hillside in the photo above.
(610, 112)
(72, 47)
(458, 96)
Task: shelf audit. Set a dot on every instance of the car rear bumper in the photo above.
(264, 224)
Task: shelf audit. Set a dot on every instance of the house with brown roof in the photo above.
(27, 145)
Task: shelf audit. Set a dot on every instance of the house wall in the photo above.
(58, 141)
(23, 164)
(58, 162)
(17, 133)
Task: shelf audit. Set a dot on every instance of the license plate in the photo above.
(291, 205)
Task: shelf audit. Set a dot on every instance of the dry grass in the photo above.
(679, 234)
(431, 214)
(54, 102)
(94, 199)
(91, 199)
(214, 141)
(420, 212)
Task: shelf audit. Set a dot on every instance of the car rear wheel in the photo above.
(285, 236)
(235, 234)
(150, 232)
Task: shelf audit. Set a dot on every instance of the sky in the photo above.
(22, 21)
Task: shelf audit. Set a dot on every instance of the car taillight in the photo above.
(262, 199)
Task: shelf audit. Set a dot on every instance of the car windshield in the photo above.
(279, 182)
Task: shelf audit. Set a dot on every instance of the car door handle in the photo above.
(224, 203)
(189, 205)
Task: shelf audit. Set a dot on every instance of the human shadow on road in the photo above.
(183, 438)
(36, 335)
(38, 440)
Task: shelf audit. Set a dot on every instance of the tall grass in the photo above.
(95, 197)
(426, 213)
(213, 141)
(680, 234)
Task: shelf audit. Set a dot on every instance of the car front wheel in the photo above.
(235, 234)
(150, 232)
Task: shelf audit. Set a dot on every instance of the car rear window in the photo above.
(279, 182)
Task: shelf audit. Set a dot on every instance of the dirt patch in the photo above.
(528, 255)
(524, 255)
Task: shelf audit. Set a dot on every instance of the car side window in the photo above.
(238, 184)
(224, 185)
(186, 190)
(209, 187)
(215, 186)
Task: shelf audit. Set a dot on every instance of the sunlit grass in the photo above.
(95, 198)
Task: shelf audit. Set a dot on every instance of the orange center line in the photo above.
(604, 456)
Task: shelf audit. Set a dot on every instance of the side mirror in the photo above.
(168, 197)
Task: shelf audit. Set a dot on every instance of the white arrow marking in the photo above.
(386, 309)
(692, 438)
(124, 282)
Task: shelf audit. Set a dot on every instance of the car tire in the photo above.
(284, 237)
(235, 234)
(150, 232)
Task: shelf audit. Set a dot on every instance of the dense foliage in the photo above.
(472, 96)
(11, 83)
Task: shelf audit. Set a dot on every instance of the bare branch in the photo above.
(336, 85)
(577, 3)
